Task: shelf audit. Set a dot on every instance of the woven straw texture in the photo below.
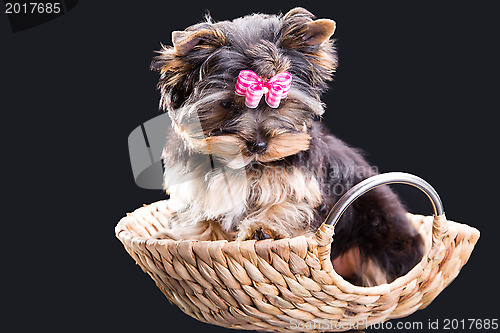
(288, 284)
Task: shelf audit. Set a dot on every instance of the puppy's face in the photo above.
(199, 73)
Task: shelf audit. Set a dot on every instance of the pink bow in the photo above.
(252, 86)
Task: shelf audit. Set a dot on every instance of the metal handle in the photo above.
(383, 179)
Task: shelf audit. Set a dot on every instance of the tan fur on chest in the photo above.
(273, 186)
(281, 199)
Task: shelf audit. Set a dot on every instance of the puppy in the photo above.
(248, 157)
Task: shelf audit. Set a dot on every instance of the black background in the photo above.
(414, 89)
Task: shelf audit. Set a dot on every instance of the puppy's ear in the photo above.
(300, 29)
(185, 41)
(179, 65)
(318, 31)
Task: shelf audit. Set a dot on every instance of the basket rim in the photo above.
(126, 236)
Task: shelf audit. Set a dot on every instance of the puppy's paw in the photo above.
(256, 232)
(261, 234)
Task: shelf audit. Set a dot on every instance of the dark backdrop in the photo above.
(414, 90)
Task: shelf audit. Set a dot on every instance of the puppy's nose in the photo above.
(257, 146)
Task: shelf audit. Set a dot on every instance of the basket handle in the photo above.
(383, 179)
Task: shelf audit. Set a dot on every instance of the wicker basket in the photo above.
(290, 284)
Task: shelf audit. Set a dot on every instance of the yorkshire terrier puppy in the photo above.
(248, 157)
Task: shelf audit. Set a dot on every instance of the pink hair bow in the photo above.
(252, 86)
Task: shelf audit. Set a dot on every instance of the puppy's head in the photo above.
(199, 72)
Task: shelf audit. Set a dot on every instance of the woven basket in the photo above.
(290, 284)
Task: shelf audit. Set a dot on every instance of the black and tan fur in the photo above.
(239, 173)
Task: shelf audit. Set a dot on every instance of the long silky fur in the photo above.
(221, 190)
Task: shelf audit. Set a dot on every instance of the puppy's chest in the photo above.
(263, 187)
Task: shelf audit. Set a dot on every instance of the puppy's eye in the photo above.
(227, 104)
